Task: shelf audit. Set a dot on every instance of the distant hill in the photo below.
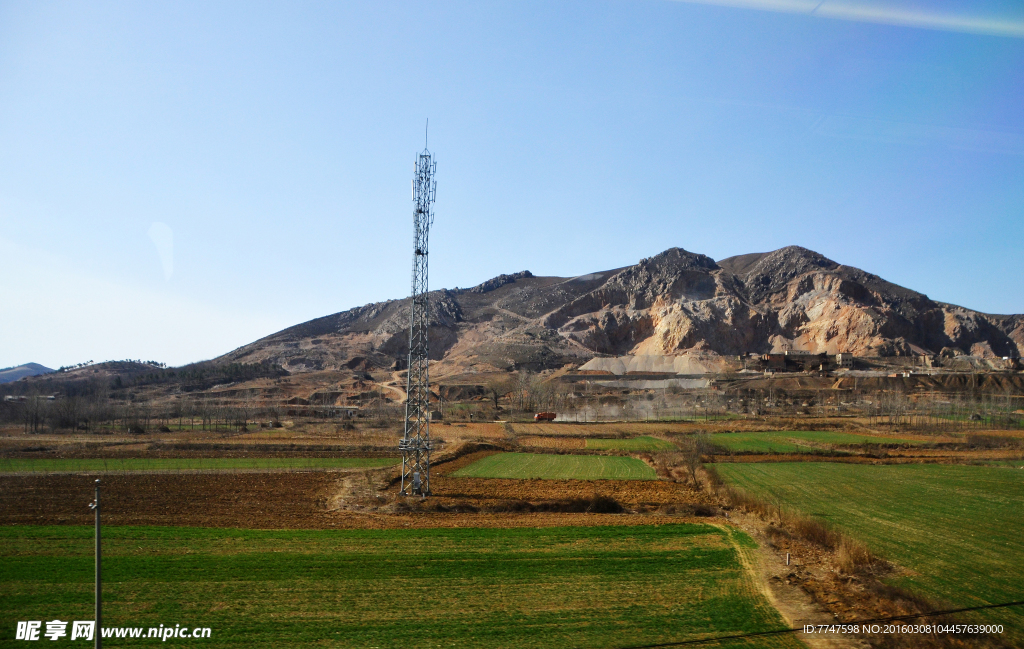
(28, 369)
(674, 303)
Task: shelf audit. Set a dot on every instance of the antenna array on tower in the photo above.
(415, 444)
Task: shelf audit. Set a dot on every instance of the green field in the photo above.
(642, 443)
(799, 441)
(524, 587)
(960, 529)
(558, 467)
(76, 465)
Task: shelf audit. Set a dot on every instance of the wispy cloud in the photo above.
(990, 18)
(163, 238)
(879, 130)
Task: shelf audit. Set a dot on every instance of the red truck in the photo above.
(544, 416)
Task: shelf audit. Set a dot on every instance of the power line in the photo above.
(879, 620)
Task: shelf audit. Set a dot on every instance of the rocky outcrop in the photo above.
(671, 304)
(499, 281)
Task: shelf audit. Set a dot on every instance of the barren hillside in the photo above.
(670, 304)
(9, 374)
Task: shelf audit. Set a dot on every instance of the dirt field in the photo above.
(324, 500)
(271, 500)
(567, 443)
(295, 437)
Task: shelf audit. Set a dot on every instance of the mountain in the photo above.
(28, 369)
(671, 304)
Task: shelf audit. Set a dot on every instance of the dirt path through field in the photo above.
(777, 582)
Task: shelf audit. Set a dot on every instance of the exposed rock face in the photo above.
(672, 303)
(499, 281)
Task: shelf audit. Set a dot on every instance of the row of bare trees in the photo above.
(40, 413)
(947, 412)
(98, 406)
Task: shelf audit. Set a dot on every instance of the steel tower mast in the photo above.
(415, 444)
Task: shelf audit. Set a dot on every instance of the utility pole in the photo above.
(415, 444)
(95, 506)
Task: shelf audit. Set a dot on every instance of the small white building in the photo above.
(844, 360)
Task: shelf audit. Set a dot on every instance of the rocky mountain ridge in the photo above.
(676, 302)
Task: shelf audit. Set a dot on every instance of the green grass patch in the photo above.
(642, 443)
(524, 587)
(959, 528)
(799, 441)
(558, 467)
(75, 465)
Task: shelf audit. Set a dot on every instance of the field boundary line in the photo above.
(793, 604)
(115, 472)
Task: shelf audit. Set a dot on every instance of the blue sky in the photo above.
(178, 179)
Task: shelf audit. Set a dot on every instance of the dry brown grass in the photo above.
(851, 556)
(553, 442)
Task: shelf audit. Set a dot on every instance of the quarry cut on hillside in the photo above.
(676, 312)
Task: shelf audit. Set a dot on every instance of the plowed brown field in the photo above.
(554, 442)
(309, 501)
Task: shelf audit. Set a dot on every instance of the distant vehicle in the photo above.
(544, 416)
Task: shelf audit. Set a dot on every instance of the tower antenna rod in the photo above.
(415, 444)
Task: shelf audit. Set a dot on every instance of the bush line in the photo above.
(851, 556)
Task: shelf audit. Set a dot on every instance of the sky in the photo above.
(178, 179)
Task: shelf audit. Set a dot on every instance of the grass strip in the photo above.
(800, 441)
(642, 443)
(524, 587)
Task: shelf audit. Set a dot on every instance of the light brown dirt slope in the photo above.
(671, 303)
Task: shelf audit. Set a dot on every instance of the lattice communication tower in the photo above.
(415, 444)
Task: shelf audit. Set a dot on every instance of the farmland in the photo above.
(300, 515)
(621, 428)
(578, 586)
(558, 467)
(800, 441)
(957, 529)
(127, 464)
(642, 443)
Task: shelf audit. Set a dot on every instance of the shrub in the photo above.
(703, 510)
(852, 556)
(604, 505)
(595, 505)
(813, 530)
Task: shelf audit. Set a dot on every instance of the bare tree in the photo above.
(498, 389)
(247, 407)
(65, 413)
(694, 447)
(34, 413)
